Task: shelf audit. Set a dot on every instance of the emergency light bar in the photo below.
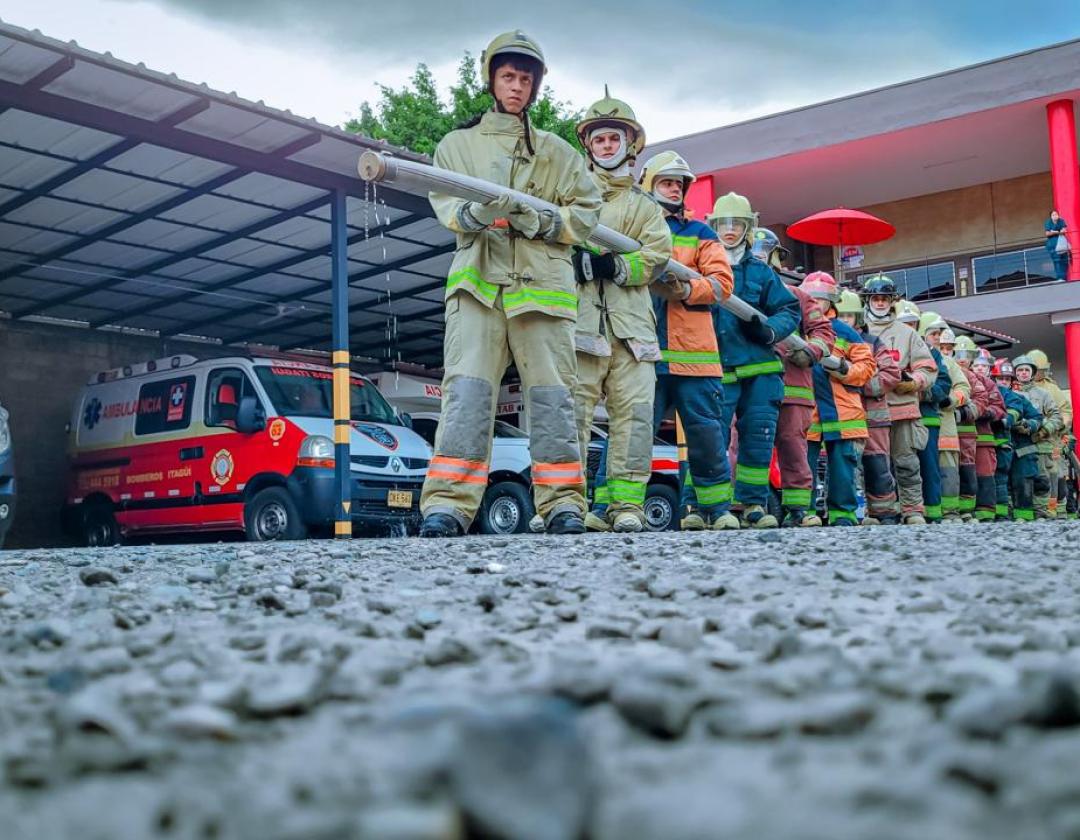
(143, 368)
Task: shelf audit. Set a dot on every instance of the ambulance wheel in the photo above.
(271, 514)
(661, 502)
(99, 528)
(506, 509)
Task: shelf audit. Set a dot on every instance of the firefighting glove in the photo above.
(530, 223)
(801, 358)
(906, 386)
(1027, 427)
(671, 288)
(477, 216)
(967, 413)
(835, 364)
(589, 266)
(757, 331)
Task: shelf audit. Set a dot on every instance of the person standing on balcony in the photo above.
(1056, 229)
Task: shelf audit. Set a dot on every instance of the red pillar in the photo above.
(1065, 177)
(700, 198)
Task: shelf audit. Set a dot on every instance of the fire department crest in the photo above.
(221, 467)
(377, 434)
(277, 429)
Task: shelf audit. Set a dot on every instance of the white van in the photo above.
(239, 443)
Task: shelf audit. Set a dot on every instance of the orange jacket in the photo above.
(685, 328)
(839, 412)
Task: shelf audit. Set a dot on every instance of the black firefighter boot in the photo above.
(440, 525)
(566, 522)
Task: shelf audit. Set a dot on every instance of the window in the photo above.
(922, 282)
(425, 427)
(164, 406)
(309, 392)
(1012, 269)
(225, 387)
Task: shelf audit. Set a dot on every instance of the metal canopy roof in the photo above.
(130, 199)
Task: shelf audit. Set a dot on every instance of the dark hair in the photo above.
(521, 63)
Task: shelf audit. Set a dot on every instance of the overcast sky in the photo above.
(684, 66)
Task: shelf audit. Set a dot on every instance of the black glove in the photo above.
(967, 413)
(758, 331)
(589, 266)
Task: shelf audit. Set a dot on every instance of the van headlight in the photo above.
(316, 451)
(5, 431)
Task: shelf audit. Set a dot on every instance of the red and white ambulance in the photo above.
(239, 443)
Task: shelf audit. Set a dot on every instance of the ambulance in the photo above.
(243, 443)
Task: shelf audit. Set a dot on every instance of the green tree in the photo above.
(416, 117)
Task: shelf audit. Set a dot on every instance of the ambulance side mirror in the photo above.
(406, 420)
(250, 417)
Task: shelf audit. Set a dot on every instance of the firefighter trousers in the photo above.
(699, 401)
(627, 387)
(930, 472)
(881, 501)
(949, 467)
(478, 345)
(985, 492)
(969, 480)
(1045, 485)
(1001, 482)
(843, 459)
(792, 456)
(754, 404)
(906, 439)
(1023, 475)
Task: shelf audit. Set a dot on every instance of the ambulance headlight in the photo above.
(5, 431)
(316, 451)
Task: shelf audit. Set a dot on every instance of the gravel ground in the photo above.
(816, 684)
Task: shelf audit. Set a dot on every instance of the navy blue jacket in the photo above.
(757, 285)
(938, 393)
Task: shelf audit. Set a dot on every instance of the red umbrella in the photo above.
(841, 226)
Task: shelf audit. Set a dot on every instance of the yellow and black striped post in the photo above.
(342, 409)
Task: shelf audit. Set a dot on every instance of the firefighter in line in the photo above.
(929, 407)
(797, 409)
(965, 428)
(839, 420)
(689, 375)
(986, 442)
(1058, 467)
(753, 371)
(917, 374)
(882, 505)
(510, 295)
(1024, 471)
(935, 331)
(1045, 435)
(1014, 432)
(616, 333)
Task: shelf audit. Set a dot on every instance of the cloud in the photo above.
(684, 67)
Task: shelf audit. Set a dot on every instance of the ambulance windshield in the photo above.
(309, 392)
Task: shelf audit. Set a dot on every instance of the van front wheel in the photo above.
(272, 515)
(99, 528)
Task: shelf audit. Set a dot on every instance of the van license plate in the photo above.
(399, 498)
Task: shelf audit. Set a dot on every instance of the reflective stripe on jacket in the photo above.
(607, 310)
(685, 328)
(757, 285)
(839, 412)
(533, 275)
(819, 335)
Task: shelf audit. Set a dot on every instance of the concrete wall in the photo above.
(42, 368)
(962, 222)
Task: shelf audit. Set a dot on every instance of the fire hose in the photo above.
(421, 178)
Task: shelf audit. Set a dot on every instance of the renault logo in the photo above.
(395, 464)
